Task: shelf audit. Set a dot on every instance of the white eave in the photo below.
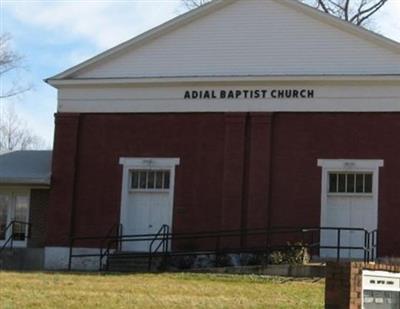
(222, 79)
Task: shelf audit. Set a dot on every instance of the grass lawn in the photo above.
(59, 290)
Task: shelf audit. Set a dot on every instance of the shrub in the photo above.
(295, 254)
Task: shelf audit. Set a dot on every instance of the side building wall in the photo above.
(39, 203)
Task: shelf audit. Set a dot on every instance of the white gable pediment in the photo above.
(250, 37)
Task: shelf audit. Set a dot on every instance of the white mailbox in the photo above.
(381, 290)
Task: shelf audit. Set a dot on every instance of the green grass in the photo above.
(62, 290)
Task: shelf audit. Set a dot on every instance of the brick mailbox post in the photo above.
(360, 285)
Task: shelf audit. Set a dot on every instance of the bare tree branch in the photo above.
(323, 6)
(192, 4)
(354, 11)
(346, 9)
(364, 14)
(14, 134)
(10, 63)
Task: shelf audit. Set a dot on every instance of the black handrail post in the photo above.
(311, 245)
(150, 258)
(101, 259)
(29, 231)
(265, 258)
(150, 261)
(166, 235)
(12, 235)
(374, 244)
(119, 233)
(375, 252)
(366, 247)
(338, 245)
(70, 253)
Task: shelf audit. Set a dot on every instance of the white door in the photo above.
(14, 206)
(147, 204)
(349, 200)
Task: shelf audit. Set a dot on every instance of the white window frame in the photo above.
(348, 165)
(157, 169)
(13, 192)
(130, 164)
(349, 193)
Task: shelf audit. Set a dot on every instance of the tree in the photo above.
(357, 12)
(14, 134)
(353, 11)
(192, 4)
(10, 63)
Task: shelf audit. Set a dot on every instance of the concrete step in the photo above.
(128, 262)
(128, 268)
(22, 259)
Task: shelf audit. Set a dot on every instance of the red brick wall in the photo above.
(38, 205)
(237, 169)
(62, 180)
(300, 139)
(343, 287)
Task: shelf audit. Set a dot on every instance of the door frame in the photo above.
(348, 165)
(133, 163)
(12, 192)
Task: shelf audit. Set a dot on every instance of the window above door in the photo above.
(350, 176)
(352, 182)
(150, 180)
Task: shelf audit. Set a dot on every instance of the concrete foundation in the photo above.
(22, 259)
(57, 258)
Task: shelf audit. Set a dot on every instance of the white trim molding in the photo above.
(228, 79)
(236, 96)
(349, 164)
(149, 162)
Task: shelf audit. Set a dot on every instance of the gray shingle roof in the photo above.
(26, 167)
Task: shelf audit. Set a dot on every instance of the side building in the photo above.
(24, 199)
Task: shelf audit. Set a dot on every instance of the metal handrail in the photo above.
(104, 239)
(373, 243)
(10, 239)
(164, 231)
(109, 240)
(166, 236)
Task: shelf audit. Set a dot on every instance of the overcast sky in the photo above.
(54, 35)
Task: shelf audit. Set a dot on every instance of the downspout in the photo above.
(270, 174)
(245, 182)
(75, 187)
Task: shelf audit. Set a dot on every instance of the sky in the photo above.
(53, 35)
